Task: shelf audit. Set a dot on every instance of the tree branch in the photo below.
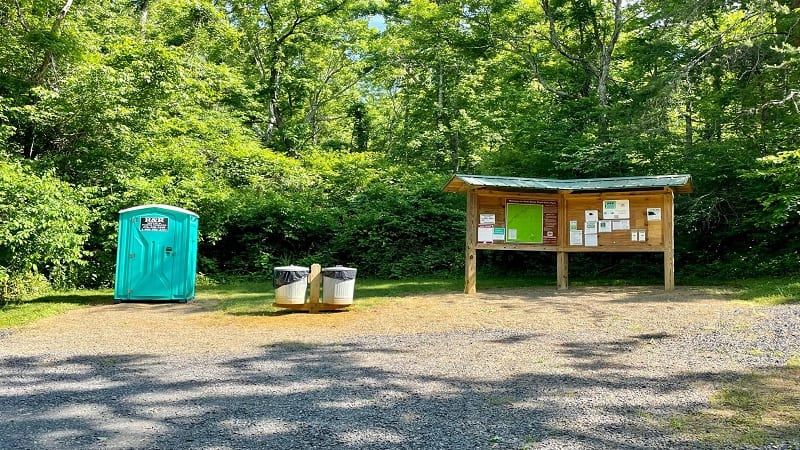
(49, 57)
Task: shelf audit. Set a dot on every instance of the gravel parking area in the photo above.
(515, 368)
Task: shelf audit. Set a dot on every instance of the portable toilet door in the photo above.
(156, 254)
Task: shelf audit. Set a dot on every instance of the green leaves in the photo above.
(43, 226)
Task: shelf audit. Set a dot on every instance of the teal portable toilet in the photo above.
(156, 254)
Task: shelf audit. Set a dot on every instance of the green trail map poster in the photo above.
(532, 221)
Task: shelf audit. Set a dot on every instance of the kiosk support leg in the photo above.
(470, 263)
(562, 269)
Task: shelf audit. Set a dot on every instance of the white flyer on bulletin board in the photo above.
(620, 225)
(653, 214)
(604, 226)
(591, 240)
(575, 237)
(485, 234)
(487, 219)
(616, 209)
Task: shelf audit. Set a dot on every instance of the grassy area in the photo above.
(248, 297)
(16, 314)
(769, 291)
(757, 409)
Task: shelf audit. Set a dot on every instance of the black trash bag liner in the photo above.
(339, 273)
(288, 275)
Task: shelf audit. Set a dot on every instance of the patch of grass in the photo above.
(256, 298)
(768, 291)
(17, 314)
(241, 298)
(755, 410)
(500, 400)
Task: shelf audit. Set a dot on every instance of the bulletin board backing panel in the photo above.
(627, 214)
(523, 217)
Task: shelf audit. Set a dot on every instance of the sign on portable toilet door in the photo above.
(154, 224)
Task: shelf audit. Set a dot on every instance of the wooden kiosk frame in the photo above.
(628, 214)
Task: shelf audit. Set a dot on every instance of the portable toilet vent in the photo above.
(156, 254)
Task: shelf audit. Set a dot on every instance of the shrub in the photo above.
(43, 227)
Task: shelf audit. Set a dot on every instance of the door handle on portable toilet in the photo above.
(168, 251)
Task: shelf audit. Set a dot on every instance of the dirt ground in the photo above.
(585, 368)
(196, 327)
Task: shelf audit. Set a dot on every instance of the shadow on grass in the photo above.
(74, 298)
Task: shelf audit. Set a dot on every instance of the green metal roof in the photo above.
(681, 184)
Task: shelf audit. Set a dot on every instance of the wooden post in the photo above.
(314, 279)
(470, 263)
(562, 257)
(667, 218)
(562, 270)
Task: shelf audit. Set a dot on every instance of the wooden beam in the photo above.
(667, 219)
(562, 270)
(314, 279)
(562, 258)
(470, 263)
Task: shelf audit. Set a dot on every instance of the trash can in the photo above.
(290, 283)
(338, 283)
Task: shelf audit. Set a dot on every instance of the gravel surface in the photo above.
(507, 369)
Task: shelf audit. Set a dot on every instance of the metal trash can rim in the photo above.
(288, 274)
(339, 273)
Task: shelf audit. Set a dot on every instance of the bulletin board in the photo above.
(625, 214)
(524, 222)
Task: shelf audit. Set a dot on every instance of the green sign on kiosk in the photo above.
(156, 254)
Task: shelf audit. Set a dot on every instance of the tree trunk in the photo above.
(49, 58)
(143, 12)
(688, 126)
(274, 121)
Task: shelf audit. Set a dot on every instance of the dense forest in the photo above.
(324, 130)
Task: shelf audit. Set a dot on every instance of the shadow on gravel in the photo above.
(295, 395)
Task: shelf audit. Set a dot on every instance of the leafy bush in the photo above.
(400, 230)
(43, 227)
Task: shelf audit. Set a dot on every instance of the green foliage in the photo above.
(301, 135)
(398, 230)
(43, 226)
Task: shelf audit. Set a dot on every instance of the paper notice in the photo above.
(590, 227)
(487, 219)
(575, 237)
(620, 225)
(604, 226)
(512, 234)
(499, 234)
(485, 234)
(642, 235)
(653, 214)
(573, 224)
(591, 240)
(616, 209)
